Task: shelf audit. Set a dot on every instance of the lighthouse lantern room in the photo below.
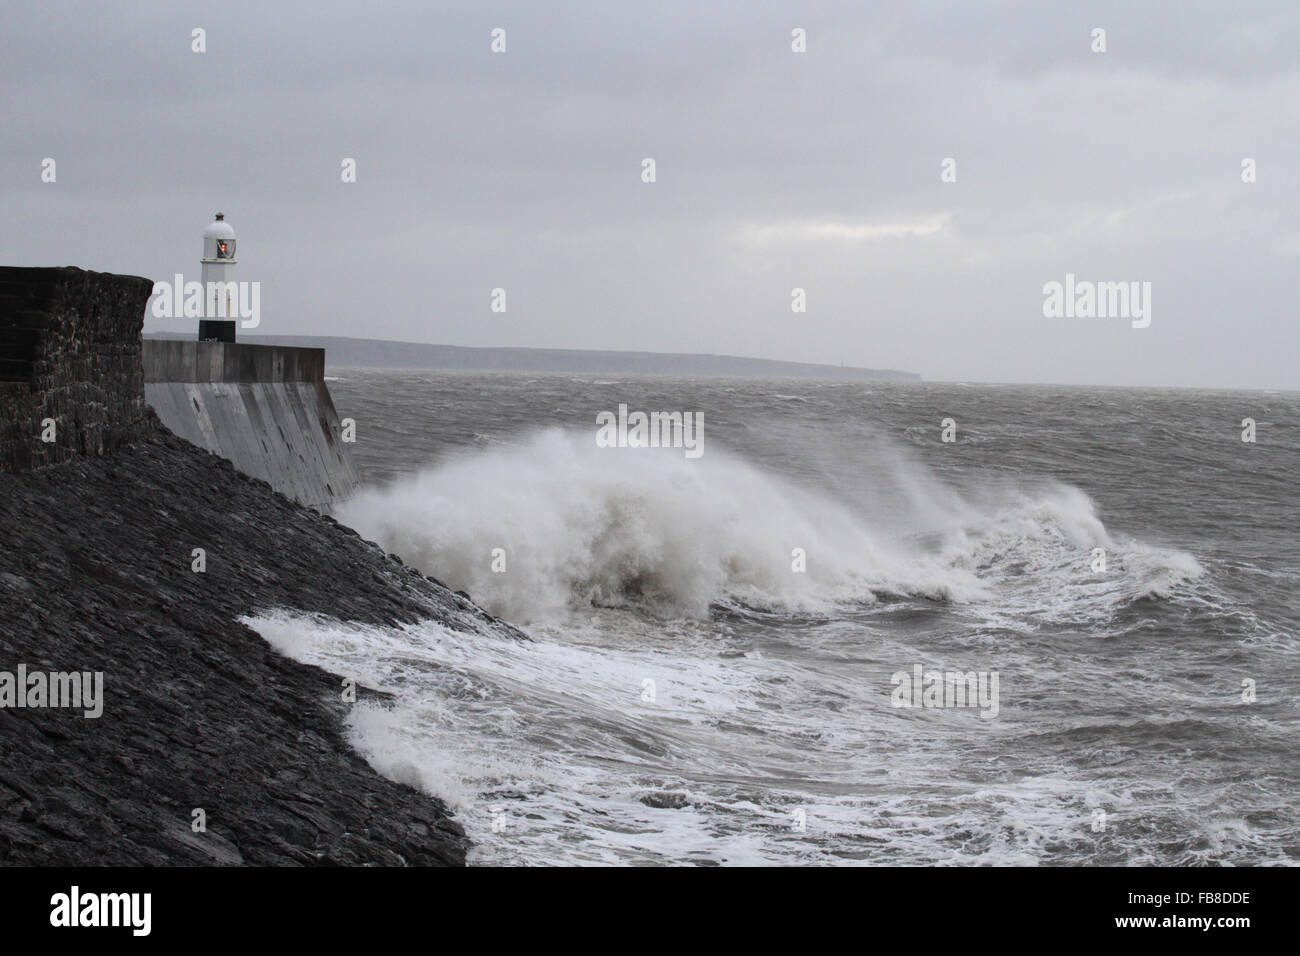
(220, 302)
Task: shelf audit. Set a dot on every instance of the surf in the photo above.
(552, 522)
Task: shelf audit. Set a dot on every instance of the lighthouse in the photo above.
(220, 295)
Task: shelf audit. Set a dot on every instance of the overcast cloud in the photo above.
(775, 170)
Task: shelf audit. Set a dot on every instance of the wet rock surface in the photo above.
(198, 712)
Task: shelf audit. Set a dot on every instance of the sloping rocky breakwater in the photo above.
(198, 712)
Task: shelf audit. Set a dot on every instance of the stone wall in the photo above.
(69, 351)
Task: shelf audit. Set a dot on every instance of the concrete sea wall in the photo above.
(264, 408)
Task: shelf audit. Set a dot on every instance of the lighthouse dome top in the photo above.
(219, 239)
(219, 229)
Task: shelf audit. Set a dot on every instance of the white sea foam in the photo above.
(557, 741)
(579, 525)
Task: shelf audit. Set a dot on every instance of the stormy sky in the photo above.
(775, 170)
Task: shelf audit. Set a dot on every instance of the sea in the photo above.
(868, 624)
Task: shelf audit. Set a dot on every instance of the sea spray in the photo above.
(574, 525)
(550, 523)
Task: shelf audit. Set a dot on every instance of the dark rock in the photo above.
(665, 800)
(199, 712)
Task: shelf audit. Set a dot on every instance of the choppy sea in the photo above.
(720, 643)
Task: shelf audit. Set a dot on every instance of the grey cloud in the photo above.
(776, 170)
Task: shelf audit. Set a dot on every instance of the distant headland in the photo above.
(345, 352)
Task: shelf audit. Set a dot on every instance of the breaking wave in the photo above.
(554, 522)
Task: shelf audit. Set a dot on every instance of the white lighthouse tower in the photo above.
(220, 302)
